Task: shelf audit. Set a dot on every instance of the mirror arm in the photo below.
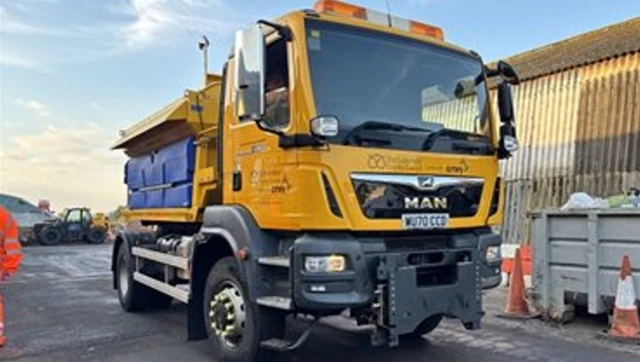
(267, 129)
(292, 141)
(491, 72)
(495, 72)
(300, 140)
(283, 30)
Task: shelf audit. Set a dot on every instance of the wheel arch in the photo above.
(239, 229)
(128, 238)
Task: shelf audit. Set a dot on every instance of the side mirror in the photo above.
(249, 53)
(508, 139)
(505, 103)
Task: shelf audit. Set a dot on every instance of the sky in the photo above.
(75, 72)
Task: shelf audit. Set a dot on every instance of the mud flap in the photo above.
(196, 329)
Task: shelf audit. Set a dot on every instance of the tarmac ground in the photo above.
(61, 307)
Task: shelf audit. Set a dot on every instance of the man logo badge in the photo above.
(426, 182)
(432, 203)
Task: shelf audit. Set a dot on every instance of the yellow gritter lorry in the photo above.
(344, 160)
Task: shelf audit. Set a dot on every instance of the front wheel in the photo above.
(234, 325)
(49, 236)
(427, 326)
(96, 236)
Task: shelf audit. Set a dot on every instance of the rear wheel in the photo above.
(134, 296)
(234, 325)
(96, 236)
(49, 236)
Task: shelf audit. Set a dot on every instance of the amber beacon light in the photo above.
(345, 9)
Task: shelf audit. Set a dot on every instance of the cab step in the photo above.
(277, 345)
(278, 261)
(282, 345)
(276, 302)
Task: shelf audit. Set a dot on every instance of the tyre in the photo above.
(96, 236)
(134, 296)
(427, 326)
(49, 236)
(236, 326)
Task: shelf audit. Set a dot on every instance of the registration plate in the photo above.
(425, 221)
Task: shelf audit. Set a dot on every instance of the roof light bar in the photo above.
(341, 8)
(425, 29)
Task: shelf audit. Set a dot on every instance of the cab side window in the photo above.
(277, 110)
(86, 217)
(74, 216)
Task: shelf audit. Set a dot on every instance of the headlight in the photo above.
(492, 254)
(325, 264)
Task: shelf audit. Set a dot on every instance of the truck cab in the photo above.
(345, 159)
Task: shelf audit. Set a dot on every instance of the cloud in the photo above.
(13, 60)
(22, 6)
(11, 25)
(419, 3)
(94, 106)
(104, 29)
(161, 19)
(69, 165)
(152, 16)
(58, 143)
(40, 109)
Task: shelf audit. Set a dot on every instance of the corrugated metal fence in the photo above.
(578, 131)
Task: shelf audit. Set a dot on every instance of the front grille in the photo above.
(389, 200)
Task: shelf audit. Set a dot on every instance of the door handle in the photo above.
(237, 180)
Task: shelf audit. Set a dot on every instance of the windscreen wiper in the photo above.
(473, 148)
(453, 133)
(351, 136)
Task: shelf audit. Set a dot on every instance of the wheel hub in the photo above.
(227, 315)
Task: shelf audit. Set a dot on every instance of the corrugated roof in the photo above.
(608, 42)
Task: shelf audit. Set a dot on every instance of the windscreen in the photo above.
(390, 91)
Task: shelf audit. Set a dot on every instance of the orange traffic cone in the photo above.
(625, 324)
(516, 307)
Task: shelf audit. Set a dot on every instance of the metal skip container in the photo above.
(577, 256)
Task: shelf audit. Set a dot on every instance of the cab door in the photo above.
(260, 169)
(74, 224)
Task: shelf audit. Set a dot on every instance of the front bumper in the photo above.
(402, 280)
